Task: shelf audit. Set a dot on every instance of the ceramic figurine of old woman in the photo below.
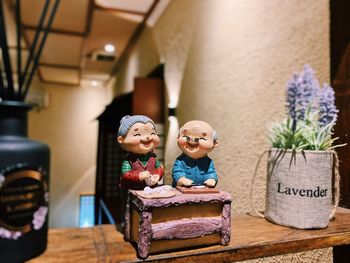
(193, 167)
(140, 168)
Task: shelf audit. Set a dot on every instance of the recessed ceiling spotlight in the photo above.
(94, 83)
(109, 48)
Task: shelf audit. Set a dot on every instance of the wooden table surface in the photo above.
(252, 237)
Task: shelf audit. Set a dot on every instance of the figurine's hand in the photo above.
(144, 175)
(152, 180)
(184, 181)
(210, 182)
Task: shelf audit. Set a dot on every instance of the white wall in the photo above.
(69, 127)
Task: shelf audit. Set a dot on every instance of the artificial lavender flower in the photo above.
(39, 217)
(328, 111)
(302, 92)
(292, 97)
(309, 89)
(305, 101)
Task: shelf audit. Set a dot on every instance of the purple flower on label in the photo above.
(2, 179)
(39, 217)
(8, 234)
(328, 111)
(46, 196)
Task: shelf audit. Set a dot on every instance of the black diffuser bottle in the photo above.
(24, 175)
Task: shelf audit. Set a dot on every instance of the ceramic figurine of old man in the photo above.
(140, 168)
(193, 167)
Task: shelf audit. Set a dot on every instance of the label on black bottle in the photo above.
(23, 194)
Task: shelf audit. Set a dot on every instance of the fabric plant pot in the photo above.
(299, 188)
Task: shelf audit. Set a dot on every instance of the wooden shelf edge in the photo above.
(251, 238)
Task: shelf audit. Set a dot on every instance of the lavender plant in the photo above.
(328, 111)
(311, 115)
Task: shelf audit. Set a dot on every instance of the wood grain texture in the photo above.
(252, 237)
(165, 214)
(186, 228)
(144, 204)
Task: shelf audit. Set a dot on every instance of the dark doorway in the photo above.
(147, 98)
(340, 78)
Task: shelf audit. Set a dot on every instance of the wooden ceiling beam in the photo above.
(56, 31)
(113, 10)
(61, 66)
(89, 17)
(88, 22)
(43, 80)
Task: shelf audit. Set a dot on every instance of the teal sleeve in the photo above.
(178, 171)
(212, 172)
(126, 167)
(158, 164)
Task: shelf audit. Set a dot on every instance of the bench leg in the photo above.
(145, 234)
(127, 220)
(226, 224)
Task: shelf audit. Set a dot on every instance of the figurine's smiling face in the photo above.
(196, 139)
(141, 138)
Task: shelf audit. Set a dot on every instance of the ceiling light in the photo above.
(94, 83)
(109, 48)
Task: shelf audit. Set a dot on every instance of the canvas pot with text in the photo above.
(303, 174)
(299, 188)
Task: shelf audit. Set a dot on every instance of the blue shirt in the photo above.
(197, 170)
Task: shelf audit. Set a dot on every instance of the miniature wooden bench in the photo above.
(182, 221)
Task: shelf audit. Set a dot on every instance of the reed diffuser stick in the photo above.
(32, 49)
(41, 46)
(19, 47)
(2, 88)
(5, 55)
